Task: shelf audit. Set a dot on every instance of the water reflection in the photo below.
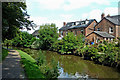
(71, 66)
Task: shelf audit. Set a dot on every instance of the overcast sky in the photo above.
(59, 11)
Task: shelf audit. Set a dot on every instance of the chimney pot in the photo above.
(64, 23)
(102, 15)
(108, 15)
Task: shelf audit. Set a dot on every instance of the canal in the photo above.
(72, 66)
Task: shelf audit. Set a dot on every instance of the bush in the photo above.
(92, 52)
(102, 48)
(68, 44)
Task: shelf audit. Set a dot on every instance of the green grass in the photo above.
(31, 68)
(26, 56)
(4, 53)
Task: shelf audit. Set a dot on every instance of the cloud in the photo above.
(75, 4)
(50, 4)
(66, 16)
(68, 4)
(111, 11)
(96, 13)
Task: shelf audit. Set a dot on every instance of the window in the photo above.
(77, 23)
(98, 29)
(82, 31)
(82, 23)
(111, 30)
(75, 32)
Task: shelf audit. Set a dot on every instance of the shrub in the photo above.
(68, 44)
(102, 48)
(92, 52)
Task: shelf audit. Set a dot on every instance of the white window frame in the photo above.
(98, 29)
(111, 30)
(61, 33)
(82, 31)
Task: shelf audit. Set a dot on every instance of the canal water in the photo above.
(72, 66)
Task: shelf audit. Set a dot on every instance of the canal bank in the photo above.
(71, 66)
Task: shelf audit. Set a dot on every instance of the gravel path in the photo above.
(11, 67)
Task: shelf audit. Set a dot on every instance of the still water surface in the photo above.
(75, 67)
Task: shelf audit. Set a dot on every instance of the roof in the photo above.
(82, 24)
(104, 34)
(35, 33)
(114, 19)
(67, 26)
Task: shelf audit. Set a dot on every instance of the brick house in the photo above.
(84, 27)
(109, 24)
(95, 36)
(107, 29)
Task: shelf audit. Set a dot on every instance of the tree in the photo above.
(14, 15)
(48, 35)
(69, 43)
(23, 39)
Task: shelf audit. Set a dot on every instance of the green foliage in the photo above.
(31, 69)
(26, 56)
(23, 39)
(49, 70)
(39, 68)
(9, 42)
(92, 52)
(48, 35)
(102, 48)
(14, 15)
(68, 44)
(37, 44)
(4, 53)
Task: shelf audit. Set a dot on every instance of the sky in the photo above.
(59, 11)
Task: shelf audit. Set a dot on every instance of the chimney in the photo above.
(108, 15)
(64, 23)
(102, 15)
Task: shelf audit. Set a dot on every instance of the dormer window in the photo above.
(82, 23)
(98, 29)
(77, 23)
(87, 22)
(110, 29)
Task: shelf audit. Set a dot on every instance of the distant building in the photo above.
(107, 29)
(84, 27)
(109, 24)
(36, 33)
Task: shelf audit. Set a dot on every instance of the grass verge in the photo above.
(32, 70)
(4, 53)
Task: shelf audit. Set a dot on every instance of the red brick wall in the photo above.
(104, 25)
(92, 37)
(90, 28)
